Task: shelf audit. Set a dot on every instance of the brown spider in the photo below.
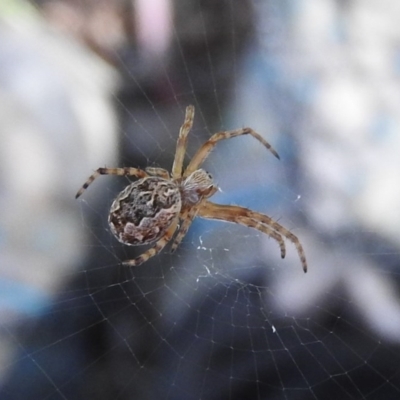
(151, 209)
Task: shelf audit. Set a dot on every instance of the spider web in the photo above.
(224, 317)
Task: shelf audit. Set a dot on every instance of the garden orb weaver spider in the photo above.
(151, 209)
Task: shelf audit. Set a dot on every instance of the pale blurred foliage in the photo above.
(57, 122)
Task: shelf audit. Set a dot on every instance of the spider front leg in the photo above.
(206, 148)
(262, 222)
(227, 215)
(181, 144)
(128, 171)
(158, 246)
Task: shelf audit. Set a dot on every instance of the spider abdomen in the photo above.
(144, 210)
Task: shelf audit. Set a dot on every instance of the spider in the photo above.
(151, 209)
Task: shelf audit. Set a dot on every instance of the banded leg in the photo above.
(187, 221)
(206, 148)
(243, 216)
(139, 173)
(158, 246)
(181, 144)
(246, 221)
(161, 172)
(251, 223)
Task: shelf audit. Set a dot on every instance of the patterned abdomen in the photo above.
(144, 210)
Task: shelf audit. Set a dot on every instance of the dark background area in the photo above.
(212, 324)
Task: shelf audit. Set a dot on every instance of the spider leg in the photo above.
(161, 172)
(206, 148)
(244, 216)
(157, 247)
(246, 221)
(181, 144)
(265, 229)
(111, 171)
(187, 218)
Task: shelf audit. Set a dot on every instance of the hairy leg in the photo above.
(157, 247)
(161, 172)
(243, 216)
(181, 144)
(206, 148)
(139, 173)
(187, 219)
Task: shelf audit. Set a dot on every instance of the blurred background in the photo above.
(90, 83)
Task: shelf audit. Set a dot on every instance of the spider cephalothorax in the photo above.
(197, 186)
(150, 209)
